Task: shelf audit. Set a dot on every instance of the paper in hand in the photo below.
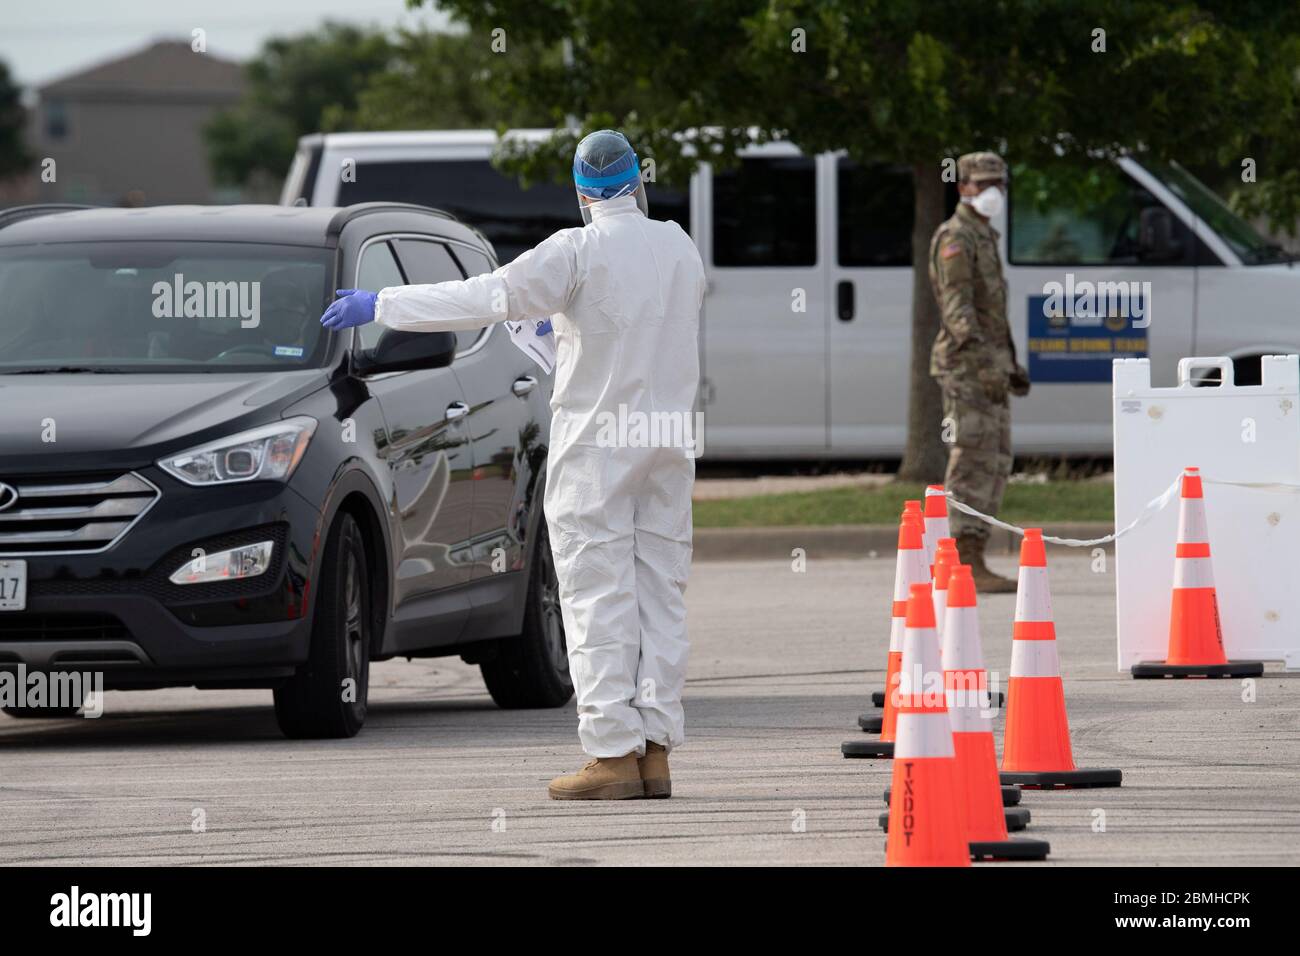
(539, 348)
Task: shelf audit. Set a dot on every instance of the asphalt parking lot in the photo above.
(782, 662)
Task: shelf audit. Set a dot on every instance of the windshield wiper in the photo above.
(1269, 254)
(1280, 254)
(65, 370)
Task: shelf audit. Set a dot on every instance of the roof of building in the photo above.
(166, 66)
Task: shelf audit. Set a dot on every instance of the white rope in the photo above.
(1149, 511)
(1275, 486)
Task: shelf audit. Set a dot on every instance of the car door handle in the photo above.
(844, 296)
(523, 385)
(456, 410)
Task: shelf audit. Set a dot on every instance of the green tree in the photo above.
(295, 86)
(1209, 83)
(14, 157)
(441, 81)
(1044, 81)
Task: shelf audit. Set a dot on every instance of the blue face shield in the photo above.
(606, 167)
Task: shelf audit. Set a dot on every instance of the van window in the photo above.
(1065, 215)
(669, 205)
(1241, 236)
(514, 219)
(874, 209)
(765, 213)
(425, 261)
(378, 271)
(300, 183)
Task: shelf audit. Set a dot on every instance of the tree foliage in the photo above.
(13, 154)
(446, 81)
(295, 86)
(1210, 83)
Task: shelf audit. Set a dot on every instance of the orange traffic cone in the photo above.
(970, 707)
(971, 713)
(1195, 634)
(936, 522)
(928, 823)
(945, 559)
(878, 697)
(910, 568)
(1036, 747)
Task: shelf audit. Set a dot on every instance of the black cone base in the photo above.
(878, 749)
(1061, 779)
(878, 699)
(1017, 819)
(871, 723)
(1009, 849)
(1010, 796)
(1149, 669)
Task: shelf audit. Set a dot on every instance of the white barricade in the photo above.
(1236, 434)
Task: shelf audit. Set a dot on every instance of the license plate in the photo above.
(13, 585)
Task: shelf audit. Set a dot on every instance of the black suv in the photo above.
(201, 486)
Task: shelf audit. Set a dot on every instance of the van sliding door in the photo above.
(765, 313)
(869, 321)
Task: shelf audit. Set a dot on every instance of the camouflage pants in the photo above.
(977, 430)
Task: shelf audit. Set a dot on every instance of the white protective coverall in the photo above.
(624, 293)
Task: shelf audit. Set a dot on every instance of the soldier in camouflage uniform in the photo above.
(974, 360)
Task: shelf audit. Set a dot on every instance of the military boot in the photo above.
(654, 771)
(604, 778)
(971, 549)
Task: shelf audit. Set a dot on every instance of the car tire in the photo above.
(313, 704)
(532, 670)
(41, 713)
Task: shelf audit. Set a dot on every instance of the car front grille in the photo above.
(72, 514)
(21, 626)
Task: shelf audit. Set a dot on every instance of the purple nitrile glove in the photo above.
(352, 307)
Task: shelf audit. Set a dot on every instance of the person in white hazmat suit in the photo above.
(624, 294)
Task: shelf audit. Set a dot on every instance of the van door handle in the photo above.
(456, 410)
(523, 385)
(844, 300)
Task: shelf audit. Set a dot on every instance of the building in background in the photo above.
(130, 131)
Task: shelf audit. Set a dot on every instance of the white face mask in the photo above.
(988, 203)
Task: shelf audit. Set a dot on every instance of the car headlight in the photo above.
(271, 452)
(247, 561)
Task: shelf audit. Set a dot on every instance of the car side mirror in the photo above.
(398, 351)
(1157, 241)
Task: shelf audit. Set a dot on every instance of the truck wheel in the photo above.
(532, 670)
(327, 697)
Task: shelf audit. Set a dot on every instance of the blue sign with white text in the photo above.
(1075, 339)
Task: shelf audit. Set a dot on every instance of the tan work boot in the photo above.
(970, 548)
(654, 771)
(604, 778)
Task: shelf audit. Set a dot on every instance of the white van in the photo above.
(806, 327)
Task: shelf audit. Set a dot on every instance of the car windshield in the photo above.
(172, 307)
(1252, 248)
